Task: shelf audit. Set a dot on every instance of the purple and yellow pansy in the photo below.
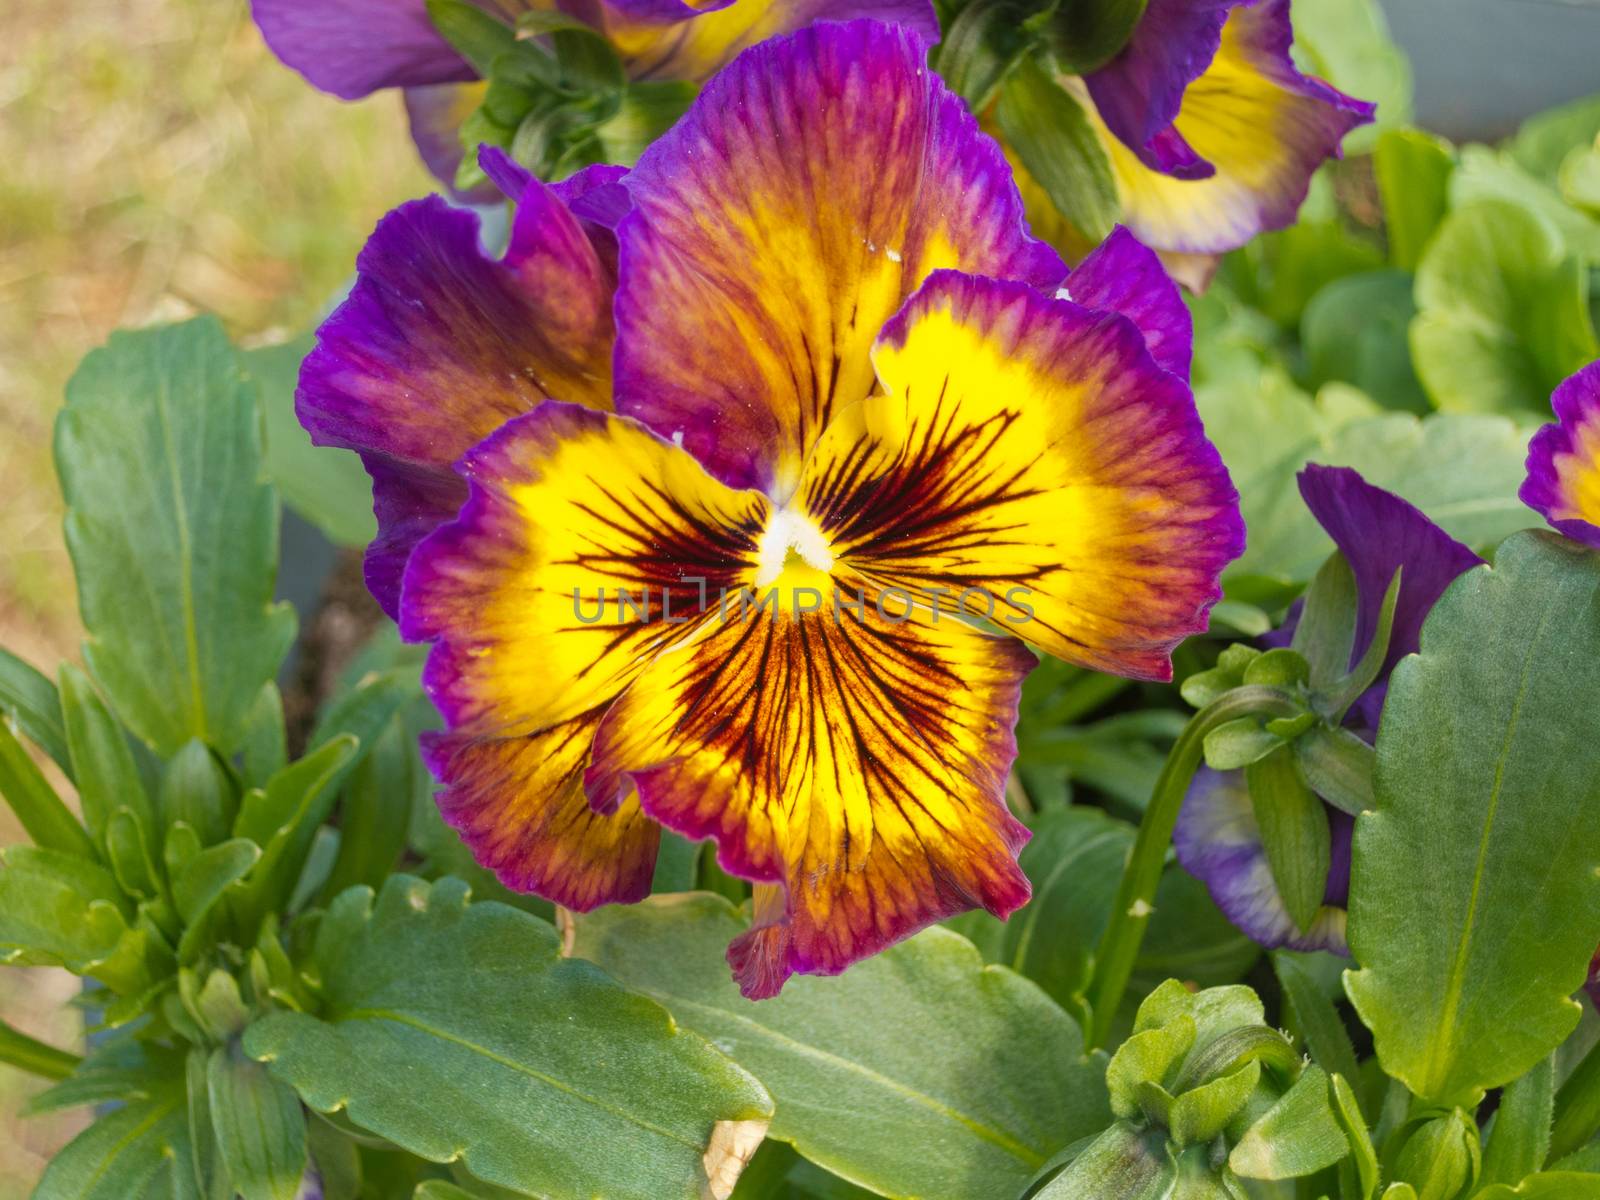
(1563, 483)
(1217, 837)
(1211, 132)
(353, 48)
(802, 381)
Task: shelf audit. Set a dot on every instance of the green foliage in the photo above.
(456, 1030)
(905, 1075)
(1469, 953)
(1413, 173)
(1502, 307)
(1049, 131)
(173, 533)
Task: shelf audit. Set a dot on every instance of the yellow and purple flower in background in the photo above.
(352, 48)
(1211, 132)
(838, 367)
(1563, 483)
(1217, 837)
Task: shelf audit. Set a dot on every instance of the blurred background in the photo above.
(155, 161)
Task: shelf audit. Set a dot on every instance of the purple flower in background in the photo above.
(1211, 132)
(1563, 483)
(1217, 837)
(353, 48)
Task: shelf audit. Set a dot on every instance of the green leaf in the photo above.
(1239, 743)
(102, 760)
(1294, 833)
(1326, 633)
(283, 819)
(1487, 756)
(197, 791)
(1048, 130)
(17, 1049)
(1441, 1157)
(206, 876)
(59, 905)
(1299, 1135)
(1358, 1174)
(122, 1152)
(259, 1126)
(1503, 312)
(1086, 36)
(1338, 698)
(116, 1070)
(456, 1031)
(905, 1075)
(1313, 1017)
(1357, 330)
(1291, 267)
(376, 812)
(336, 1159)
(324, 484)
(478, 37)
(47, 820)
(1547, 1185)
(982, 46)
(1544, 140)
(130, 860)
(1123, 1163)
(1490, 175)
(1577, 1109)
(1347, 43)
(173, 533)
(265, 751)
(30, 701)
(1413, 170)
(1520, 1139)
(646, 110)
(1073, 861)
(1337, 765)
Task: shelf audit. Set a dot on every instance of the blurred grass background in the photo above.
(155, 160)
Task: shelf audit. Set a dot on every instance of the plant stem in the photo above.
(1577, 1108)
(19, 1050)
(1135, 900)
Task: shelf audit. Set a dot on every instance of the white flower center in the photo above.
(790, 534)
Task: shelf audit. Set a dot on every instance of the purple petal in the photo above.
(507, 174)
(596, 194)
(1218, 842)
(439, 344)
(354, 47)
(1122, 275)
(1378, 532)
(1563, 483)
(1262, 127)
(1592, 985)
(1138, 92)
(809, 190)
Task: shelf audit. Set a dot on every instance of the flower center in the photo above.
(790, 539)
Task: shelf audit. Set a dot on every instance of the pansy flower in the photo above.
(353, 48)
(1563, 483)
(1211, 132)
(1217, 837)
(864, 460)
